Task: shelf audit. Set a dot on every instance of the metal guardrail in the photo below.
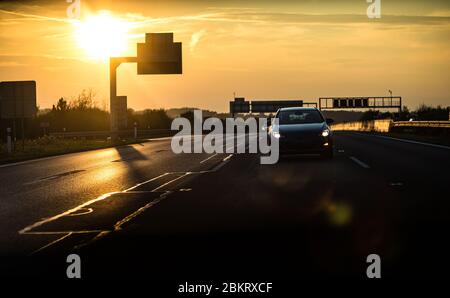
(168, 132)
(107, 133)
(385, 125)
(380, 125)
(443, 124)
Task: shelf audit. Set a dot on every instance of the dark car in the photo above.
(303, 130)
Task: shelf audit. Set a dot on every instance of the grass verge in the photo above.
(47, 146)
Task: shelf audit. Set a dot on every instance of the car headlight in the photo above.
(325, 133)
(276, 134)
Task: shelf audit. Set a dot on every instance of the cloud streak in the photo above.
(195, 39)
(34, 17)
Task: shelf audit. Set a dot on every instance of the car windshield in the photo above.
(299, 117)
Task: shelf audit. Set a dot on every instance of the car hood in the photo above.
(300, 128)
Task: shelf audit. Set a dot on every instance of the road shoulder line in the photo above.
(405, 140)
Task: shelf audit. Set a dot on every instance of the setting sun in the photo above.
(102, 36)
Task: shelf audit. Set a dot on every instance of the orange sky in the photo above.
(258, 49)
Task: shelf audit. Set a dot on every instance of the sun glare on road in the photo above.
(102, 35)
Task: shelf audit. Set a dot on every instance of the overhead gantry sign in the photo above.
(370, 102)
(158, 55)
(240, 105)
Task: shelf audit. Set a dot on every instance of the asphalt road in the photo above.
(222, 217)
(34, 190)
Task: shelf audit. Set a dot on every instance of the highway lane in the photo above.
(304, 217)
(38, 189)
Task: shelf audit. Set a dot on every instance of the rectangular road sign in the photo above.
(18, 99)
(335, 103)
(119, 110)
(271, 106)
(343, 103)
(159, 55)
(379, 102)
(365, 102)
(239, 105)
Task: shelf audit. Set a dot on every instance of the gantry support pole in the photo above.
(114, 63)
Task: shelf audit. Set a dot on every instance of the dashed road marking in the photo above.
(224, 162)
(206, 159)
(360, 163)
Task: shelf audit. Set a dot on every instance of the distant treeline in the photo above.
(423, 113)
(79, 114)
(149, 119)
(82, 114)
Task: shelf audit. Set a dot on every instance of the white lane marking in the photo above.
(362, 164)
(230, 148)
(206, 159)
(51, 243)
(224, 162)
(147, 181)
(159, 139)
(118, 225)
(169, 182)
(86, 211)
(28, 229)
(407, 141)
(63, 232)
(49, 219)
(98, 236)
(228, 157)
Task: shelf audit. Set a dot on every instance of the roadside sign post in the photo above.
(114, 63)
(158, 55)
(8, 140)
(23, 133)
(135, 130)
(18, 101)
(44, 126)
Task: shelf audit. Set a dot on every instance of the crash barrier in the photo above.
(434, 124)
(144, 133)
(387, 125)
(372, 125)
